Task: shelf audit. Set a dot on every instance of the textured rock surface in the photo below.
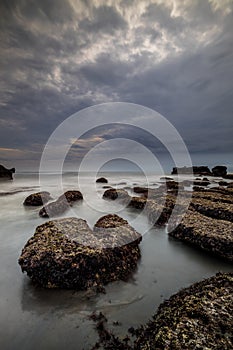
(215, 236)
(66, 253)
(198, 317)
(37, 199)
(114, 193)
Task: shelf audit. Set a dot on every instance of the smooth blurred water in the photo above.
(36, 318)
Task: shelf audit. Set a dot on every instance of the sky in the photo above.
(60, 56)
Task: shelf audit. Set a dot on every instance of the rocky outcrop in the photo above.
(59, 206)
(66, 253)
(197, 317)
(219, 171)
(102, 180)
(213, 209)
(6, 173)
(228, 176)
(212, 235)
(204, 182)
(196, 170)
(37, 199)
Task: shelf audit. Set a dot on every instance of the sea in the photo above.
(35, 318)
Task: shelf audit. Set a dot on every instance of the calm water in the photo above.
(34, 318)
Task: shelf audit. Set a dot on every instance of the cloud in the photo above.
(61, 56)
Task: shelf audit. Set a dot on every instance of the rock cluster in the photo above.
(59, 206)
(37, 199)
(66, 253)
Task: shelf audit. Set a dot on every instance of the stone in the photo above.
(66, 253)
(62, 204)
(219, 171)
(114, 194)
(6, 173)
(102, 180)
(212, 235)
(37, 199)
(197, 317)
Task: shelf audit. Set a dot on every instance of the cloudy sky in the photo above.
(60, 56)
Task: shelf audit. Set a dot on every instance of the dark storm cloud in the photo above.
(58, 57)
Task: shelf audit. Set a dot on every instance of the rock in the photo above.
(102, 180)
(219, 171)
(223, 183)
(166, 178)
(114, 193)
(115, 232)
(212, 235)
(204, 182)
(137, 202)
(198, 170)
(197, 317)
(230, 185)
(66, 253)
(59, 206)
(37, 199)
(6, 173)
(106, 187)
(228, 176)
(213, 209)
(71, 196)
(141, 190)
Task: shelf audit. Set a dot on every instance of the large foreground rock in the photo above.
(62, 204)
(215, 236)
(37, 199)
(198, 317)
(6, 173)
(66, 253)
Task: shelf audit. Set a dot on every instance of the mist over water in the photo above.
(33, 317)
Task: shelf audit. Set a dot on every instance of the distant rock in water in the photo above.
(6, 173)
(37, 199)
(66, 253)
(196, 170)
(219, 170)
(114, 193)
(102, 180)
(62, 204)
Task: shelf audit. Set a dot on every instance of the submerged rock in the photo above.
(6, 173)
(215, 236)
(59, 206)
(37, 199)
(66, 253)
(198, 317)
(102, 180)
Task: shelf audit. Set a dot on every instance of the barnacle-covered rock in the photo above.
(215, 236)
(37, 199)
(66, 253)
(71, 196)
(198, 317)
(114, 193)
(213, 209)
(59, 206)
